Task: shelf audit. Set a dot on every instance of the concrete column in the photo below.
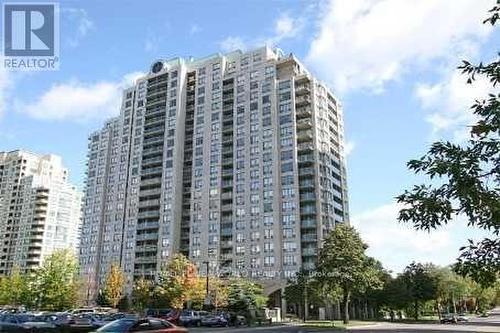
(283, 304)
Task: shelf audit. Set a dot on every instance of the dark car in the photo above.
(27, 322)
(11, 328)
(191, 317)
(150, 325)
(214, 320)
(449, 319)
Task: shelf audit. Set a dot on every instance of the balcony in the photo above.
(145, 259)
(306, 172)
(308, 224)
(307, 197)
(305, 123)
(302, 89)
(147, 236)
(148, 214)
(306, 184)
(151, 171)
(227, 207)
(226, 232)
(147, 225)
(151, 161)
(304, 136)
(308, 210)
(309, 266)
(303, 112)
(155, 140)
(305, 238)
(306, 158)
(227, 161)
(146, 248)
(154, 191)
(149, 203)
(151, 181)
(226, 244)
(302, 100)
(227, 195)
(305, 147)
(153, 150)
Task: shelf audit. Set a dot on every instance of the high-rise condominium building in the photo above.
(40, 211)
(236, 160)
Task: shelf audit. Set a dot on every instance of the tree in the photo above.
(245, 295)
(468, 180)
(421, 285)
(113, 288)
(217, 292)
(344, 264)
(57, 282)
(175, 281)
(141, 293)
(17, 289)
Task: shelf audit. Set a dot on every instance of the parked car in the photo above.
(149, 325)
(11, 328)
(172, 317)
(214, 320)
(462, 318)
(83, 310)
(448, 319)
(27, 322)
(191, 318)
(86, 322)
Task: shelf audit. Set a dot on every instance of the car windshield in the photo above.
(26, 318)
(119, 326)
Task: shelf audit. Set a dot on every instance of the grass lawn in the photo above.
(336, 324)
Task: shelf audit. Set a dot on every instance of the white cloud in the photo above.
(363, 44)
(349, 147)
(5, 85)
(449, 102)
(83, 24)
(194, 29)
(78, 101)
(285, 27)
(396, 244)
(232, 43)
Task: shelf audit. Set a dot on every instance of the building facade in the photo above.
(236, 160)
(40, 211)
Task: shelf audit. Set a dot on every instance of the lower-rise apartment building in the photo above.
(40, 210)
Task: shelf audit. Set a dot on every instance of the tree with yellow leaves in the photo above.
(176, 280)
(113, 289)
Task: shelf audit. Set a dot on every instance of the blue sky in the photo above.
(391, 62)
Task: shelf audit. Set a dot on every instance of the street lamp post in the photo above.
(207, 297)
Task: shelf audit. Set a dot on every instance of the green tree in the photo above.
(307, 283)
(175, 281)
(468, 180)
(17, 289)
(344, 264)
(141, 293)
(421, 285)
(113, 288)
(244, 295)
(57, 282)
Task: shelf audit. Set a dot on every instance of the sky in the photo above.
(392, 63)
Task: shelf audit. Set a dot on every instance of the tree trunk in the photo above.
(416, 309)
(346, 300)
(338, 310)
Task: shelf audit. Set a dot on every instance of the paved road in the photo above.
(489, 324)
